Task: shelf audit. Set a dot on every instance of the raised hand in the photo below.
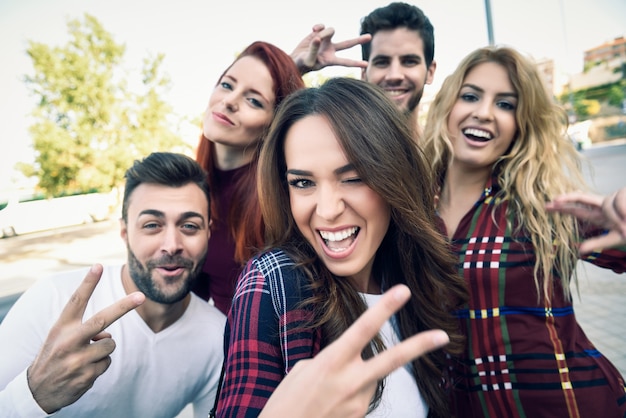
(75, 353)
(605, 211)
(317, 50)
(338, 382)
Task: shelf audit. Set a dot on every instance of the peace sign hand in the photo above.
(338, 383)
(75, 353)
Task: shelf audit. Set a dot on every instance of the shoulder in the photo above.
(57, 287)
(272, 260)
(265, 266)
(273, 268)
(206, 313)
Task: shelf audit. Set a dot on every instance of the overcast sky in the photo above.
(200, 37)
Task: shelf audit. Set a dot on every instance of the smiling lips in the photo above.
(220, 117)
(477, 134)
(339, 240)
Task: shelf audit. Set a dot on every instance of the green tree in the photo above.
(89, 125)
(615, 95)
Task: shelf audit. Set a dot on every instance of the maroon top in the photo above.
(220, 269)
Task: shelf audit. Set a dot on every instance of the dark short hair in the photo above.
(167, 169)
(399, 15)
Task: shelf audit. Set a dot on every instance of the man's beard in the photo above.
(414, 101)
(142, 277)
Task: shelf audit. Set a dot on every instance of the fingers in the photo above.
(75, 307)
(611, 239)
(101, 336)
(578, 198)
(389, 360)
(101, 320)
(340, 46)
(613, 209)
(346, 62)
(362, 331)
(326, 34)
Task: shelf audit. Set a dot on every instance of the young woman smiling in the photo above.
(239, 112)
(496, 142)
(347, 201)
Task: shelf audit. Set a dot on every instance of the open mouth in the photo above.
(395, 92)
(339, 240)
(477, 134)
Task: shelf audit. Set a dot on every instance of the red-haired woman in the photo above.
(239, 112)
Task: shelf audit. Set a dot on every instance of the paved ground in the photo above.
(601, 311)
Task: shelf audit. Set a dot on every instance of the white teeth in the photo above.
(339, 235)
(477, 133)
(395, 92)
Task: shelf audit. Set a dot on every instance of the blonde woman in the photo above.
(495, 140)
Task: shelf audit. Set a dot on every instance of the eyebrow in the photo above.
(403, 56)
(183, 216)
(254, 91)
(341, 170)
(475, 87)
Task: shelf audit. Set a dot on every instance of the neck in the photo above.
(157, 316)
(462, 186)
(228, 157)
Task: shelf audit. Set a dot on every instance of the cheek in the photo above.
(199, 246)
(142, 246)
(301, 212)
(509, 125)
(254, 127)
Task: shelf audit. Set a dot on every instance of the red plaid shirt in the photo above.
(261, 340)
(524, 359)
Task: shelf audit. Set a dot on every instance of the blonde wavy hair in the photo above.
(540, 164)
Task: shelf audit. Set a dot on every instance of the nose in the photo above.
(394, 71)
(171, 241)
(230, 101)
(483, 111)
(330, 203)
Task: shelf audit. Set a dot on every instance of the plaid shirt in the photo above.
(524, 358)
(262, 339)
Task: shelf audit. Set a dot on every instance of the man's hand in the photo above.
(317, 50)
(338, 383)
(75, 353)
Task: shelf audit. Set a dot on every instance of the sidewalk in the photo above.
(601, 311)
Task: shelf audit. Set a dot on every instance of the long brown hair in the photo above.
(379, 143)
(244, 217)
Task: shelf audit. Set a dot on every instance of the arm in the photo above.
(338, 382)
(74, 353)
(261, 342)
(317, 50)
(608, 212)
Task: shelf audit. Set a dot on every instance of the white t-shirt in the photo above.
(151, 375)
(401, 397)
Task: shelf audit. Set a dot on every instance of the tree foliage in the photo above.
(89, 125)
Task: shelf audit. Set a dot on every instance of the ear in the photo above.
(430, 73)
(363, 76)
(124, 230)
(208, 230)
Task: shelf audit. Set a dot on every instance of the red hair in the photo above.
(244, 217)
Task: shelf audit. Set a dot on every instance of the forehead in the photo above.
(252, 74)
(490, 74)
(397, 42)
(172, 201)
(311, 143)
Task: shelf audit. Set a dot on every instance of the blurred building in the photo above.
(548, 71)
(607, 52)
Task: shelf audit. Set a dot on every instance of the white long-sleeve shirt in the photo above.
(151, 374)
